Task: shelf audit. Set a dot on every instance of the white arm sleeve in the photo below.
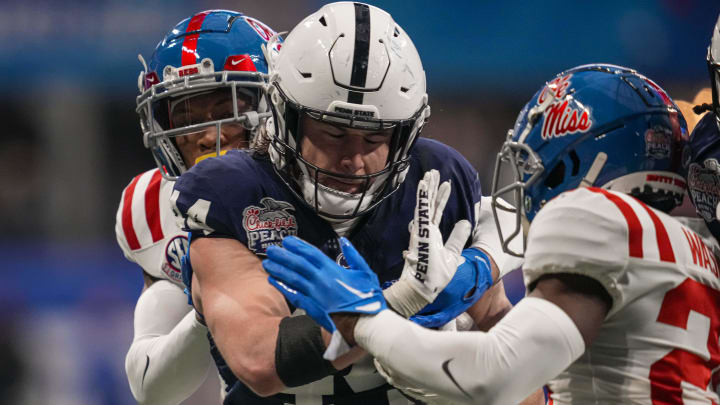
(170, 355)
(532, 344)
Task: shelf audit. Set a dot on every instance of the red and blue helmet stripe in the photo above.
(230, 39)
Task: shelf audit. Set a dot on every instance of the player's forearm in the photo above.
(241, 309)
(169, 356)
(247, 340)
(167, 369)
(268, 350)
(275, 353)
(491, 307)
(531, 345)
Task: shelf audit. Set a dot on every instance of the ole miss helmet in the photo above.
(212, 51)
(594, 125)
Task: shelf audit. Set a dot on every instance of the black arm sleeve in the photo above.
(299, 352)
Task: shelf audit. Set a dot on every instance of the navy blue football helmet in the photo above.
(594, 125)
(215, 51)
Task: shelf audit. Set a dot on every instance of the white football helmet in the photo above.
(713, 62)
(348, 63)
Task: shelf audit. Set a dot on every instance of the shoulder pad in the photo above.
(146, 229)
(207, 197)
(583, 231)
(139, 218)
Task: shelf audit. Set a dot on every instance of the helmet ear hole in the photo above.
(556, 176)
(575, 163)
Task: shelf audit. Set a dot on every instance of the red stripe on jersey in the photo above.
(189, 46)
(152, 207)
(549, 396)
(634, 226)
(127, 224)
(663, 240)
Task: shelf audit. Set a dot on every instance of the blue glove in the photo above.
(312, 281)
(469, 283)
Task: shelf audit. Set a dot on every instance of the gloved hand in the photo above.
(312, 281)
(429, 264)
(470, 282)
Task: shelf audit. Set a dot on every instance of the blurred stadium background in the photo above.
(70, 142)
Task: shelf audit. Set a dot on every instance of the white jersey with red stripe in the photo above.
(659, 341)
(146, 230)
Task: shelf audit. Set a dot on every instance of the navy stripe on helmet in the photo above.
(361, 53)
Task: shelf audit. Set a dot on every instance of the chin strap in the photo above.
(594, 171)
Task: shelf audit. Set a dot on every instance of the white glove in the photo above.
(429, 265)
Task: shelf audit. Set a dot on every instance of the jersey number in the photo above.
(667, 374)
(197, 216)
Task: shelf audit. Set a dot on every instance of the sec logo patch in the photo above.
(175, 249)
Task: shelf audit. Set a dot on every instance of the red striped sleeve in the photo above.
(663, 240)
(152, 206)
(634, 226)
(189, 46)
(127, 224)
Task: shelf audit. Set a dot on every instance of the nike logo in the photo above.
(235, 62)
(370, 308)
(147, 364)
(482, 259)
(446, 369)
(354, 291)
(285, 287)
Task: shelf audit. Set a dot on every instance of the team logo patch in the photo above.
(269, 224)
(263, 30)
(340, 259)
(560, 118)
(175, 249)
(657, 142)
(704, 187)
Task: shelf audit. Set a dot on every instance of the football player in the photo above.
(706, 98)
(622, 304)
(341, 156)
(703, 157)
(199, 96)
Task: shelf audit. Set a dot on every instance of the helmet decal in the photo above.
(189, 45)
(560, 118)
(242, 63)
(658, 142)
(263, 30)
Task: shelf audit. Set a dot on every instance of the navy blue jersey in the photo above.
(240, 196)
(703, 170)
